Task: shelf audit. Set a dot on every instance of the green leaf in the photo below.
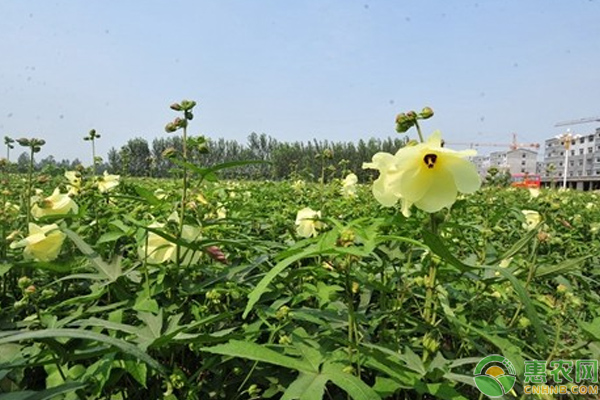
(256, 352)
(145, 303)
(126, 347)
(356, 388)
(147, 195)
(386, 387)
(261, 287)
(437, 246)
(137, 370)
(47, 394)
(4, 268)
(527, 304)
(307, 386)
(591, 328)
(519, 245)
(110, 237)
(562, 267)
(111, 271)
(440, 391)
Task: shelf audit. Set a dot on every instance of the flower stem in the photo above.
(29, 186)
(184, 193)
(429, 314)
(419, 131)
(94, 156)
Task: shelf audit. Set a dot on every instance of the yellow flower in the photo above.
(532, 219)
(349, 185)
(56, 204)
(107, 182)
(10, 208)
(74, 184)
(42, 244)
(534, 192)
(221, 211)
(200, 197)
(307, 223)
(190, 234)
(426, 175)
(298, 184)
(160, 194)
(159, 250)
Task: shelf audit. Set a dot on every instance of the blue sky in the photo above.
(295, 70)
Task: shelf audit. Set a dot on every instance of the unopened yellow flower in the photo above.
(532, 219)
(426, 175)
(349, 185)
(307, 222)
(74, 184)
(55, 204)
(107, 182)
(42, 244)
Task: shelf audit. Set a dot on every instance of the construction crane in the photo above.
(513, 146)
(579, 121)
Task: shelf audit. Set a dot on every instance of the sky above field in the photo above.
(329, 69)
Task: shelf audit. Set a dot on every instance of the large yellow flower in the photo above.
(55, 204)
(43, 243)
(159, 250)
(426, 175)
(107, 182)
(307, 222)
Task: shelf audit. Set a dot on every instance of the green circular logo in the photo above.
(495, 375)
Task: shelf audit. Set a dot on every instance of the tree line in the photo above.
(311, 160)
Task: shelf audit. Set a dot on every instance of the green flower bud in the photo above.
(170, 127)
(169, 152)
(426, 113)
(24, 281)
(282, 312)
(187, 105)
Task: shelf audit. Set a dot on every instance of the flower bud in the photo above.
(170, 127)
(187, 105)
(24, 281)
(180, 122)
(426, 113)
(30, 289)
(216, 254)
(176, 107)
(169, 152)
(282, 312)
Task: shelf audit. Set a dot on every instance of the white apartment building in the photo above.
(516, 161)
(583, 160)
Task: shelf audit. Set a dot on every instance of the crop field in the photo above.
(195, 287)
